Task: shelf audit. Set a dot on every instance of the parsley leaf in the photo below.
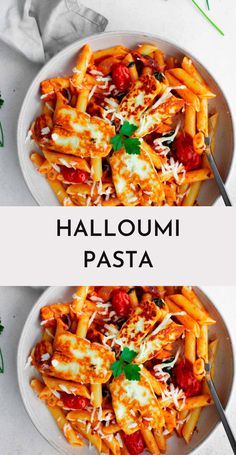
(128, 355)
(124, 365)
(159, 302)
(159, 76)
(128, 129)
(132, 372)
(117, 142)
(117, 368)
(132, 145)
(123, 139)
(130, 64)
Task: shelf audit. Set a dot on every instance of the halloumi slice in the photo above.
(136, 179)
(167, 332)
(77, 133)
(158, 113)
(139, 324)
(79, 360)
(140, 97)
(134, 402)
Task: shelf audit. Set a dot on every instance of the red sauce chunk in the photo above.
(74, 175)
(134, 442)
(120, 76)
(74, 401)
(120, 303)
(185, 378)
(186, 153)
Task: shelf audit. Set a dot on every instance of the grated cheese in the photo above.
(45, 357)
(92, 318)
(29, 362)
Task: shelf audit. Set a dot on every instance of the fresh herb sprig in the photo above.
(123, 139)
(1, 129)
(124, 365)
(207, 17)
(159, 302)
(208, 5)
(1, 356)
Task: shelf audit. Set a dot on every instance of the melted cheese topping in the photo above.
(78, 359)
(135, 178)
(158, 113)
(168, 333)
(78, 133)
(140, 97)
(133, 401)
(141, 321)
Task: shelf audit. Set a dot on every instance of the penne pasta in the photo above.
(191, 83)
(191, 424)
(81, 66)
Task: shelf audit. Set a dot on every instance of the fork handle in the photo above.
(218, 178)
(221, 413)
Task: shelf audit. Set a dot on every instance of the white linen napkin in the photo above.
(41, 28)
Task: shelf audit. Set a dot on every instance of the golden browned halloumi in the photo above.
(159, 338)
(140, 97)
(134, 402)
(79, 360)
(77, 133)
(139, 324)
(158, 113)
(136, 179)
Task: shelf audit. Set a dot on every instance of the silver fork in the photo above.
(219, 407)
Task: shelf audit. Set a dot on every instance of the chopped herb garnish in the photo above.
(130, 64)
(208, 5)
(123, 139)
(159, 302)
(1, 356)
(124, 365)
(159, 76)
(168, 369)
(208, 18)
(120, 96)
(128, 129)
(168, 143)
(130, 290)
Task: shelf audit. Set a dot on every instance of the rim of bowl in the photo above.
(96, 37)
(50, 290)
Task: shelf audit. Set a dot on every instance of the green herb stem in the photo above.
(208, 5)
(208, 18)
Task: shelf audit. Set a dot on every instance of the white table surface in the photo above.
(18, 435)
(177, 20)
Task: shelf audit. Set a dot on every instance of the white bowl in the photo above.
(43, 420)
(63, 63)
